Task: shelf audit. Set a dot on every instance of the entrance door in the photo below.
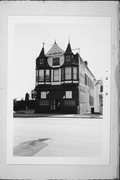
(55, 105)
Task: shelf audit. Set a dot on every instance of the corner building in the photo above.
(64, 83)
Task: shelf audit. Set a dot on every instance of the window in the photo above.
(67, 58)
(74, 73)
(43, 94)
(56, 75)
(44, 103)
(101, 88)
(62, 74)
(91, 101)
(68, 73)
(85, 79)
(56, 61)
(41, 61)
(68, 94)
(41, 75)
(47, 75)
(37, 75)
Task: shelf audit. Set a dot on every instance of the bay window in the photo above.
(41, 75)
(74, 73)
(47, 75)
(36, 75)
(62, 74)
(68, 73)
(56, 75)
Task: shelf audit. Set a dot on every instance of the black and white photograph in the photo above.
(58, 67)
(59, 90)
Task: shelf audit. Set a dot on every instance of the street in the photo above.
(63, 137)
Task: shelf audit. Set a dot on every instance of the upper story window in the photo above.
(85, 79)
(62, 74)
(41, 75)
(101, 88)
(68, 58)
(56, 75)
(68, 73)
(41, 61)
(47, 75)
(37, 75)
(56, 61)
(74, 73)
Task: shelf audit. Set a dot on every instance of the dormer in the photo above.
(55, 56)
(69, 56)
(41, 59)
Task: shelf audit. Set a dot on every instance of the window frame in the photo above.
(70, 73)
(68, 59)
(54, 75)
(45, 93)
(47, 76)
(66, 95)
(75, 74)
(42, 77)
(58, 61)
(62, 74)
(37, 75)
(41, 61)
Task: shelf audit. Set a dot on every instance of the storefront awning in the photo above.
(55, 94)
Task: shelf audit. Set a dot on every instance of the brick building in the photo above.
(64, 83)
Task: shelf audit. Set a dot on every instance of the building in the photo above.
(64, 83)
(98, 96)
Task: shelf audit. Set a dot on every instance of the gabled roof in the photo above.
(55, 50)
(68, 49)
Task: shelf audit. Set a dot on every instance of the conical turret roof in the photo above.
(42, 53)
(68, 49)
(55, 50)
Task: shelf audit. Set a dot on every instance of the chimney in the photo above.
(86, 63)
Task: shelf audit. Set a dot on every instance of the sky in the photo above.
(92, 36)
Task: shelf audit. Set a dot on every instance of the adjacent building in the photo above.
(64, 82)
(98, 96)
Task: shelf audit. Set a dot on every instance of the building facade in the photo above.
(64, 83)
(98, 96)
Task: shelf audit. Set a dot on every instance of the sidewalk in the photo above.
(34, 115)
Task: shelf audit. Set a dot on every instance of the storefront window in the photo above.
(68, 94)
(43, 95)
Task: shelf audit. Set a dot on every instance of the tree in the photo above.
(26, 97)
